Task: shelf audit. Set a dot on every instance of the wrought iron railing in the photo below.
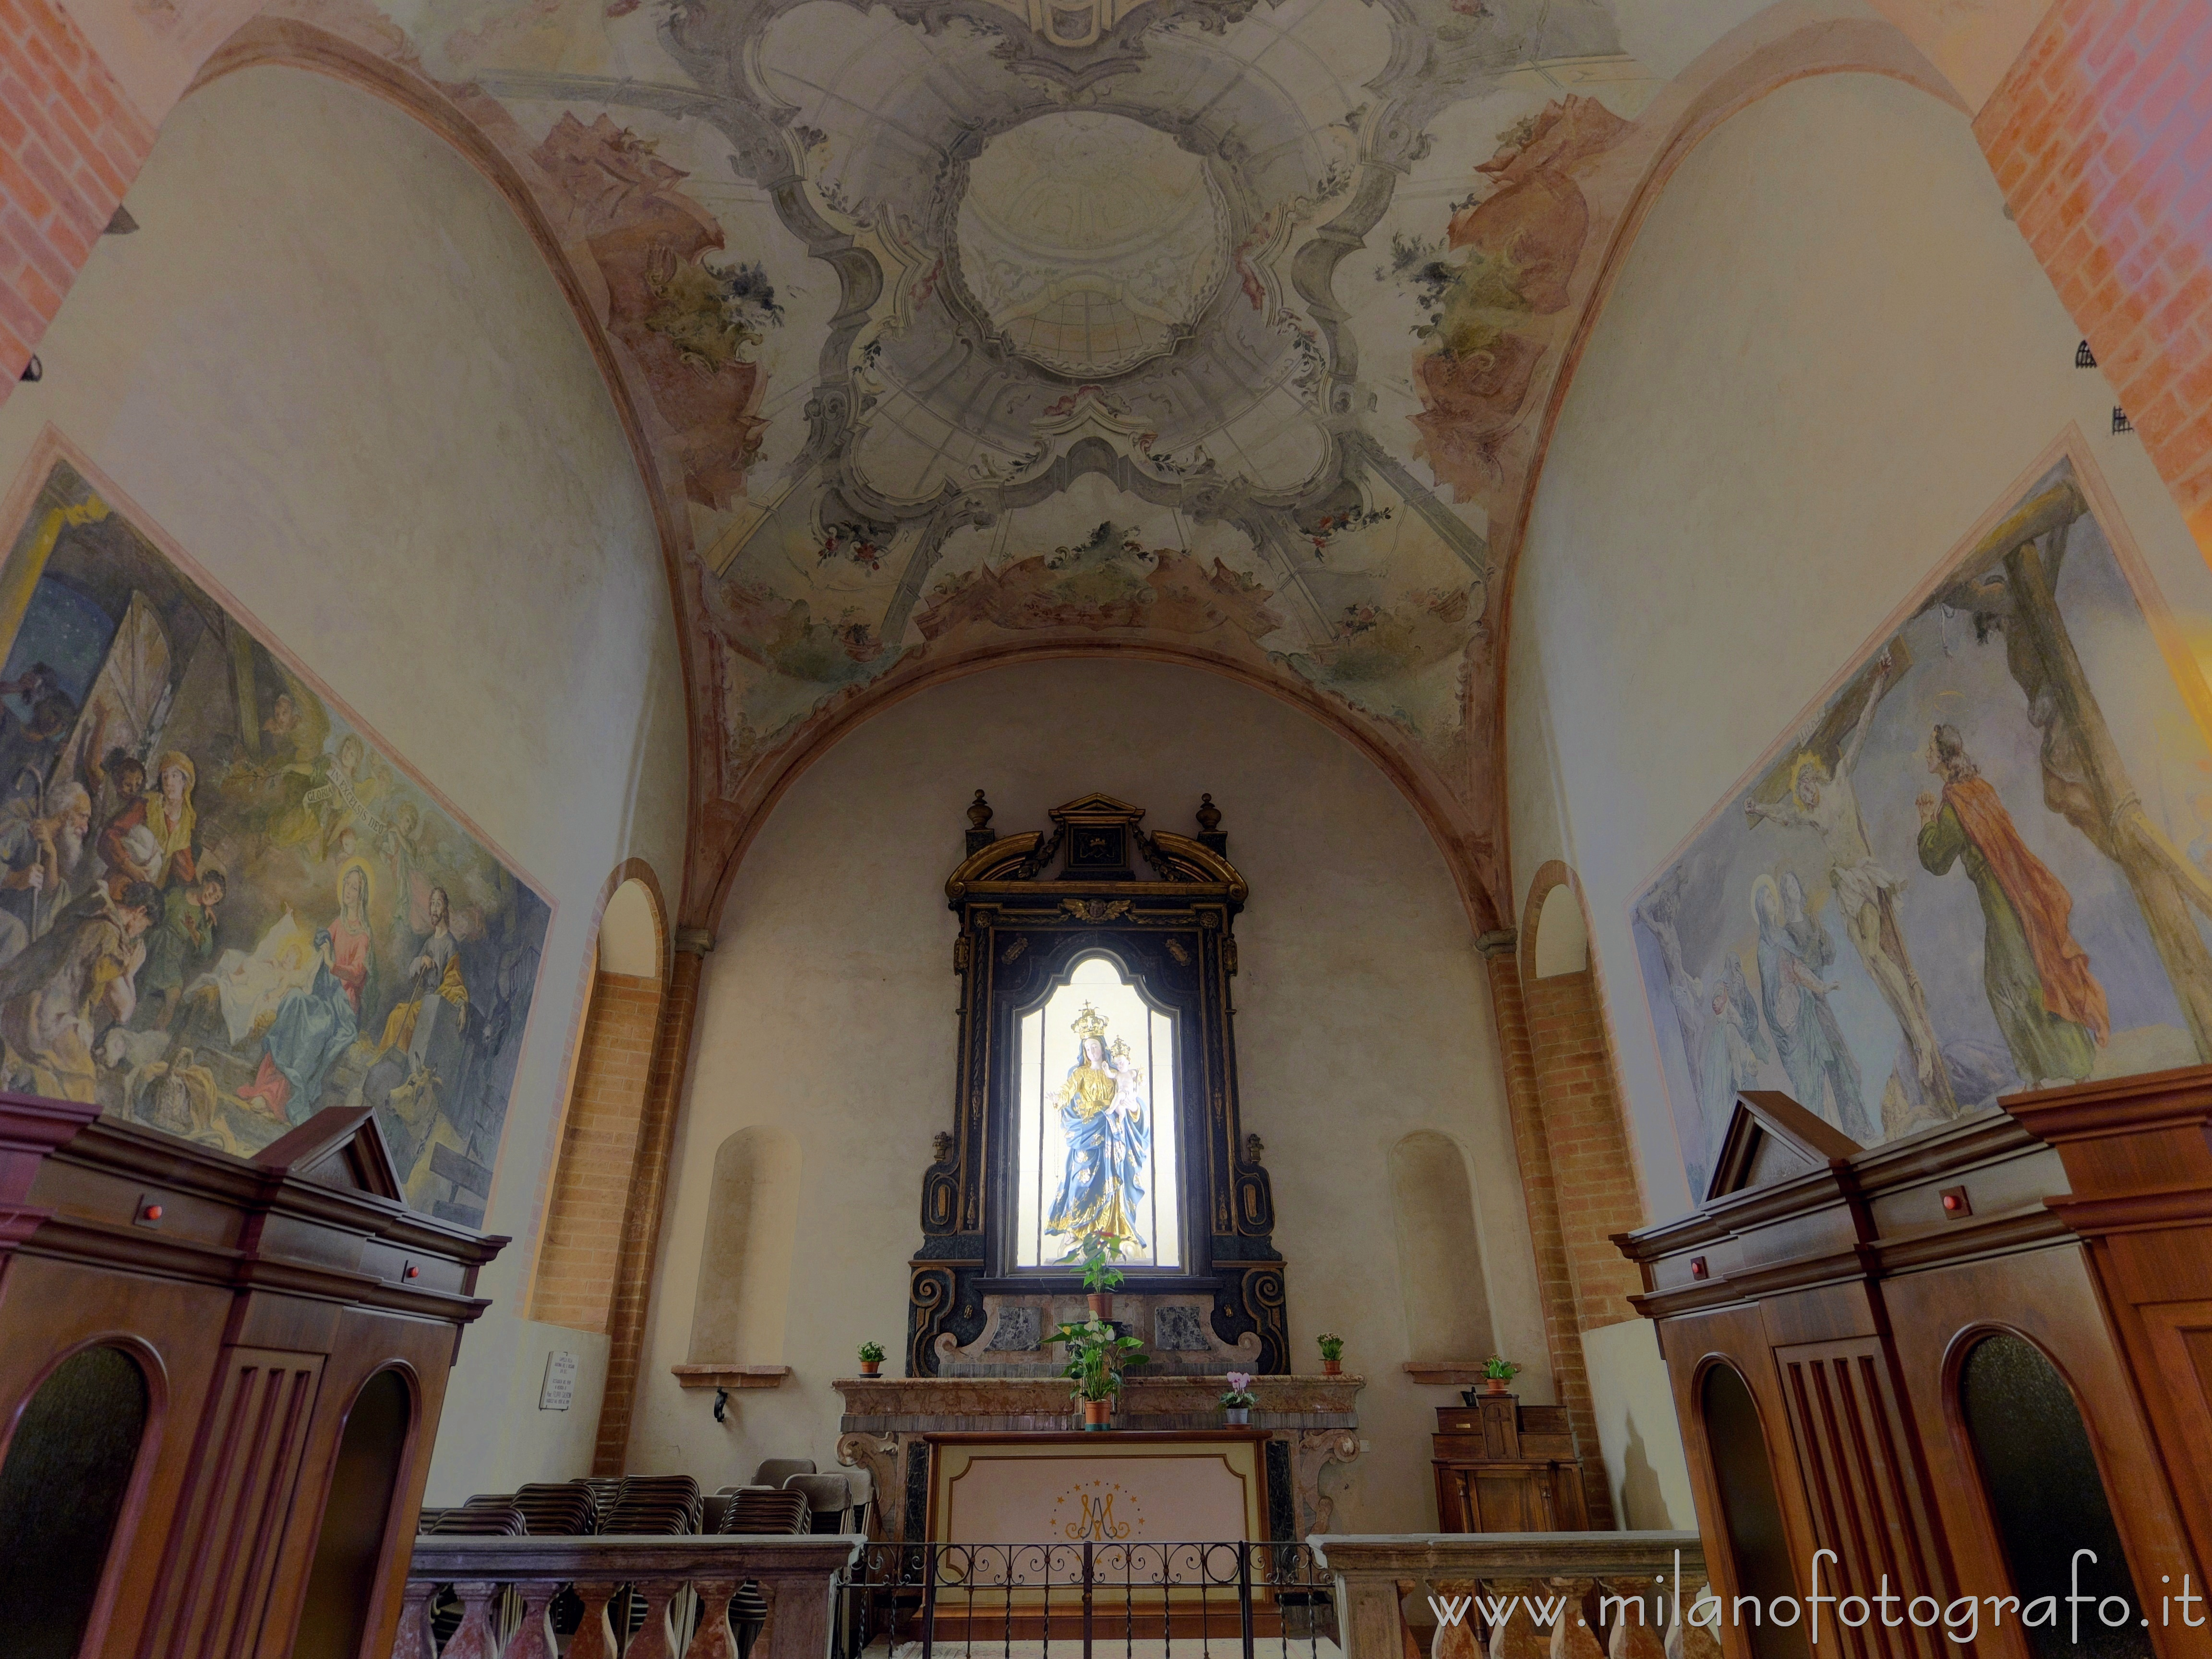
(1095, 1598)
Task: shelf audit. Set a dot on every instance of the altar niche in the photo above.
(1096, 1092)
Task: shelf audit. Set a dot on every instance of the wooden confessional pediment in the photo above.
(340, 1147)
(1771, 1139)
(1038, 911)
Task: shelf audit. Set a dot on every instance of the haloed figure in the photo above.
(2049, 1005)
(1107, 1142)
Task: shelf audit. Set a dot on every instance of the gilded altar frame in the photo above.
(1165, 906)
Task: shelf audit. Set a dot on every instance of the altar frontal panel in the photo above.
(1128, 1494)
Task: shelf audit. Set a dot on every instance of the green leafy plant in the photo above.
(1332, 1345)
(1239, 1397)
(1097, 1353)
(1100, 1252)
(1500, 1368)
(871, 1353)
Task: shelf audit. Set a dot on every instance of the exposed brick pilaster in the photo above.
(592, 1183)
(1540, 1187)
(70, 146)
(1590, 1154)
(641, 1234)
(2101, 138)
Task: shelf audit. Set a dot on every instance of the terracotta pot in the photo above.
(1096, 1411)
(1331, 1368)
(872, 1368)
(1495, 1384)
(1102, 1304)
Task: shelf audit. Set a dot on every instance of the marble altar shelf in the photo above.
(1310, 1422)
(943, 1405)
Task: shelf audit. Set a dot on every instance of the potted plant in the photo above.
(872, 1359)
(1332, 1354)
(1100, 1276)
(1497, 1372)
(1238, 1402)
(1097, 1353)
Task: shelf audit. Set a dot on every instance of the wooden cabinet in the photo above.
(257, 1303)
(2068, 1235)
(1504, 1466)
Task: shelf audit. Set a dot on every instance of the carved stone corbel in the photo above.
(1315, 1451)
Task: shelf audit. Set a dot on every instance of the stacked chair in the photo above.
(755, 1510)
(774, 1471)
(785, 1495)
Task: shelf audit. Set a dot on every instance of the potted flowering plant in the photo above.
(1097, 1353)
(1497, 1372)
(1238, 1402)
(872, 1359)
(1100, 1276)
(1332, 1354)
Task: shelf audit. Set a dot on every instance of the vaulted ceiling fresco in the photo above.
(960, 329)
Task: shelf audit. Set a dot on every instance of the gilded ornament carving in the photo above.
(1015, 947)
(1177, 948)
(1095, 909)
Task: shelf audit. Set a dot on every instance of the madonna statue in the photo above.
(1108, 1143)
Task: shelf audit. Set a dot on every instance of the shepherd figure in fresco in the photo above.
(1107, 1142)
(1807, 1038)
(57, 996)
(164, 854)
(2049, 1005)
(1828, 804)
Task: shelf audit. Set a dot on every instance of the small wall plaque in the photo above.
(560, 1387)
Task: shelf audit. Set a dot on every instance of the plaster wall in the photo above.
(827, 1009)
(1827, 356)
(1638, 1435)
(333, 366)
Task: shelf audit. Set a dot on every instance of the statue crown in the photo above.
(1089, 1023)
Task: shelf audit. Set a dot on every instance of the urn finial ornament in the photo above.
(1209, 815)
(979, 811)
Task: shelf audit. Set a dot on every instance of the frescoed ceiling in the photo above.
(1216, 330)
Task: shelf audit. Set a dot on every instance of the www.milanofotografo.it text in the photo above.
(1960, 1618)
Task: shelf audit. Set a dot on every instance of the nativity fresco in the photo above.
(1985, 866)
(223, 907)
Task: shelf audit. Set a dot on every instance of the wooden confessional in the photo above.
(220, 1382)
(1954, 1359)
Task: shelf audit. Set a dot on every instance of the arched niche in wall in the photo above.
(1562, 937)
(2046, 1497)
(574, 1282)
(1440, 1276)
(335, 1619)
(744, 1268)
(1751, 1512)
(63, 1487)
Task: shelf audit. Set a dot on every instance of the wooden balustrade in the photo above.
(507, 1586)
(1527, 1594)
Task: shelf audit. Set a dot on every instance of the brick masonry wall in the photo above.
(1555, 1282)
(2101, 138)
(1591, 1159)
(598, 1147)
(70, 146)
